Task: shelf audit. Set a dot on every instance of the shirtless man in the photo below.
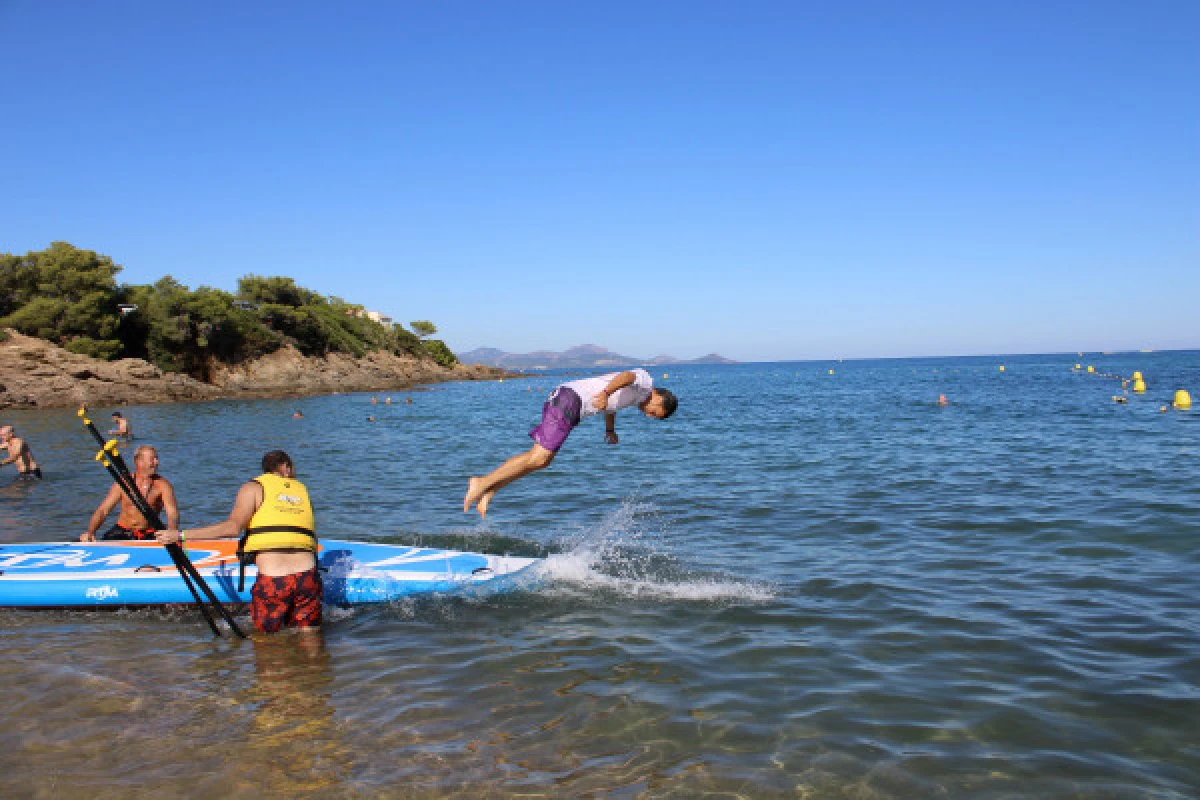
(130, 523)
(280, 537)
(566, 407)
(19, 454)
(121, 427)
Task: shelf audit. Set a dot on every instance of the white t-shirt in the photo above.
(632, 395)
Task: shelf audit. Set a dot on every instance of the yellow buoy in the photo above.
(1137, 376)
(1139, 385)
(1078, 367)
(1183, 400)
(1002, 368)
(830, 372)
(664, 376)
(1091, 368)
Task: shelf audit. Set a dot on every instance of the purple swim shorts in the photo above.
(560, 415)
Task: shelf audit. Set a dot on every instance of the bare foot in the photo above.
(474, 492)
(483, 502)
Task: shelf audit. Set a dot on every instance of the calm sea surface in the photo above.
(802, 585)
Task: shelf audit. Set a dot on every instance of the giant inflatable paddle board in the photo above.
(130, 573)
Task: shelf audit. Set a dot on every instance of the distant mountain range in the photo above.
(584, 355)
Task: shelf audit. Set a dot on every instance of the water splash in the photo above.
(625, 554)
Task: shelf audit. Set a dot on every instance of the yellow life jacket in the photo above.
(284, 521)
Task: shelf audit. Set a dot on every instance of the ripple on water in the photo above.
(817, 586)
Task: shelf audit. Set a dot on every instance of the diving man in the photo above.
(567, 406)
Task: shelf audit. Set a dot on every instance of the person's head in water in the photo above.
(279, 463)
(116, 415)
(660, 404)
(942, 401)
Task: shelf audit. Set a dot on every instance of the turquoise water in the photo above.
(803, 585)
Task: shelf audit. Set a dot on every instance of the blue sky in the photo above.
(765, 180)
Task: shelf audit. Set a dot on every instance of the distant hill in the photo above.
(584, 355)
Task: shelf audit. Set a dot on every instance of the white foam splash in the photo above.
(576, 570)
(607, 545)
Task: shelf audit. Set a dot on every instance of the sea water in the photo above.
(813, 581)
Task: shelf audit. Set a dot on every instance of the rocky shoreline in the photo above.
(37, 374)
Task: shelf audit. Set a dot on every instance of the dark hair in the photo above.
(669, 401)
(275, 459)
(116, 413)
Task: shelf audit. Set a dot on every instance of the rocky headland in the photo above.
(37, 374)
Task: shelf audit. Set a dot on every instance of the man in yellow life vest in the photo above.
(276, 515)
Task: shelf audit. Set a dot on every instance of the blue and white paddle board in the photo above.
(130, 573)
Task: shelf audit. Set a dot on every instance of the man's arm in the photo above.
(249, 497)
(15, 446)
(98, 516)
(170, 505)
(618, 382)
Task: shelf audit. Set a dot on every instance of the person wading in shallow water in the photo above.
(567, 405)
(280, 537)
(121, 427)
(157, 490)
(19, 454)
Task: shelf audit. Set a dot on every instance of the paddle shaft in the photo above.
(187, 570)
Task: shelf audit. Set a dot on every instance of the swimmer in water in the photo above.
(121, 427)
(19, 454)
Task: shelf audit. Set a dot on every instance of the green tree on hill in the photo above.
(276, 290)
(71, 297)
(187, 331)
(439, 352)
(64, 295)
(423, 328)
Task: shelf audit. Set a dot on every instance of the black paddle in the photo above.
(112, 461)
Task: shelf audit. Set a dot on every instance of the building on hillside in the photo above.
(382, 319)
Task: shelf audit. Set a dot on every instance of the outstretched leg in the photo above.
(481, 489)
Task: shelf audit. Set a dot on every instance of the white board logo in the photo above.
(100, 593)
(69, 559)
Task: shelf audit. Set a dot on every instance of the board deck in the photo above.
(131, 573)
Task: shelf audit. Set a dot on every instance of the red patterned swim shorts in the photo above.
(290, 600)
